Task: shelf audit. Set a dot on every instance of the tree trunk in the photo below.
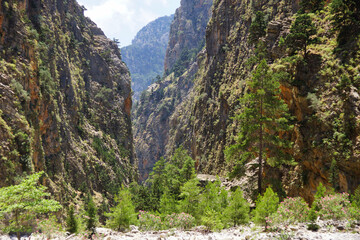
(260, 148)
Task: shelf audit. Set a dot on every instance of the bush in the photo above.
(335, 206)
(290, 211)
(72, 224)
(91, 216)
(237, 212)
(150, 221)
(123, 214)
(265, 206)
(49, 226)
(181, 221)
(212, 220)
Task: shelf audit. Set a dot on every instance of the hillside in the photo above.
(65, 100)
(325, 133)
(145, 56)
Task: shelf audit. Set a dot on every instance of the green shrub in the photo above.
(212, 220)
(49, 227)
(355, 198)
(123, 214)
(149, 221)
(91, 216)
(265, 206)
(190, 194)
(72, 224)
(181, 221)
(237, 212)
(290, 211)
(334, 206)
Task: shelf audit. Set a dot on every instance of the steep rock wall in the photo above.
(65, 99)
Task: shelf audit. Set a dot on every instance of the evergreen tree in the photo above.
(312, 5)
(238, 209)
(257, 28)
(91, 214)
(72, 224)
(190, 198)
(168, 203)
(24, 201)
(265, 206)
(302, 34)
(346, 18)
(123, 214)
(263, 122)
(355, 198)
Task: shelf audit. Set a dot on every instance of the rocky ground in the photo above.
(329, 230)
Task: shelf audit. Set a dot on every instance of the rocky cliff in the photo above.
(65, 99)
(188, 30)
(152, 114)
(145, 56)
(321, 92)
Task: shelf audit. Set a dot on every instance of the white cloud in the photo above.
(122, 19)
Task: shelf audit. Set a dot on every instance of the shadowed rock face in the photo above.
(65, 99)
(153, 113)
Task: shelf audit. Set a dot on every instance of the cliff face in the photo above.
(65, 99)
(152, 114)
(188, 29)
(322, 93)
(145, 56)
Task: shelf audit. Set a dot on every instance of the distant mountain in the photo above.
(145, 56)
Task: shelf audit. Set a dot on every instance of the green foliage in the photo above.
(257, 28)
(47, 83)
(182, 221)
(334, 206)
(22, 202)
(123, 214)
(140, 196)
(18, 88)
(264, 116)
(355, 198)
(211, 219)
(91, 214)
(345, 19)
(290, 211)
(150, 221)
(170, 176)
(302, 34)
(168, 203)
(312, 5)
(190, 198)
(237, 212)
(50, 227)
(72, 223)
(320, 193)
(265, 206)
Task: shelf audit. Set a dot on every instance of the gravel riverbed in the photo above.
(330, 230)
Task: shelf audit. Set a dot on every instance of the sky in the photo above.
(122, 19)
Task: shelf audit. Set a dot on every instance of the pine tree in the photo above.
(238, 209)
(302, 34)
(91, 214)
(190, 198)
(263, 124)
(265, 206)
(123, 214)
(72, 224)
(257, 28)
